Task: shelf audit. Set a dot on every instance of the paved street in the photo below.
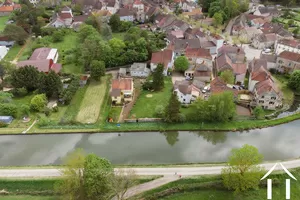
(251, 52)
(184, 171)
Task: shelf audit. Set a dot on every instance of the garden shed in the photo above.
(6, 119)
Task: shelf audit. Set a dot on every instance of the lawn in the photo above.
(3, 20)
(147, 101)
(118, 35)
(288, 94)
(13, 52)
(92, 101)
(114, 113)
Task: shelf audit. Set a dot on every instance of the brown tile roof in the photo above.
(163, 57)
(80, 18)
(260, 74)
(222, 61)
(65, 15)
(115, 92)
(251, 17)
(201, 53)
(239, 68)
(267, 85)
(41, 65)
(255, 64)
(40, 54)
(196, 32)
(291, 43)
(125, 12)
(122, 84)
(186, 43)
(6, 8)
(290, 56)
(218, 86)
(202, 70)
(185, 87)
(230, 49)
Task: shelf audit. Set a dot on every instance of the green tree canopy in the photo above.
(38, 102)
(115, 22)
(218, 18)
(227, 76)
(158, 77)
(97, 69)
(173, 109)
(259, 113)
(243, 172)
(294, 81)
(15, 33)
(85, 31)
(50, 84)
(27, 77)
(181, 63)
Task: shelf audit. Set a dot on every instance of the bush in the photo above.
(70, 58)
(8, 109)
(182, 117)
(159, 111)
(2, 125)
(55, 109)
(25, 110)
(19, 92)
(57, 36)
(48, 31)
(38, 102)
(47, 111)
(147, 85)
(259, 113)
(44, 121)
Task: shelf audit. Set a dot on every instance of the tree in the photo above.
(97, 69)
(72, 185)
(181, 63)
(158, 78)
(243, 172)
(115, 22)
(218, 18)
(96, 169)
(173, 109)
(296, 31)
(50, 84)
(27, 77)
(57, 36)
(38, 102)
(106, 31)
(85, 31)
(121, 182)
(172, 137)
(259, 113)
(15, 33)
(227, 76)
(159, 109)
(294, 81)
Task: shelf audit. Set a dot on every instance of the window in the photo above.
(260, 101)
(280, 61)
(271, 103)
(183, 99)
(262, 97)
(273, 98)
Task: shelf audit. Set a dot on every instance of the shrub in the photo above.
(19, 92)
(2, 125)
(48, 31)
(182, 117)
(159, 111)
(259, 113)
(38, 102)
(57, 36)
(8, 109)
(55, 109)
(148, 85)
(43, 121)
(25, 110)
(69, 58)
(47, 111)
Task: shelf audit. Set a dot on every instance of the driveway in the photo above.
(176, 76)
(251, 52)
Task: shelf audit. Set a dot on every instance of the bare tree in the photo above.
(121, 182)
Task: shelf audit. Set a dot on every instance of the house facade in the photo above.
(287, 62)
(3, 52)
(291, 45)
(262, 41)
(126, 15)
(186, 92)
(122, 90)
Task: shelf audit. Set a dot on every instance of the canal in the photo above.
(275, 143)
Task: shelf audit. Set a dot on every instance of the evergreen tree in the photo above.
(27, 77)
(97, 69)
(50, 84)
(115, 22)
(173, 109)
(158, 77)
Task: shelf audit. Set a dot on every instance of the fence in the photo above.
(143, 120)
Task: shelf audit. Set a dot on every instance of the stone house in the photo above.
(248, 33)
(287, 62)
(139, 70)
(7, 7)
(63, 19)
(122, 90)
(111, 5)
(186, 91)
(201, 72)
(291, 45)
(126, 14)
(262, 41)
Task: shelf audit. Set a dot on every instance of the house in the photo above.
(111, 5)
(233, 59)
(262, 41)
(201, 72)
(122, 72)
(7, 7)
(44, 59)
(217, 40)
(126, 14)
(63, 19)
(248, 33)
(77, 21)
(165, 57)
(3, 52)
(6, 119)
(257, 22)
(198, 56)
(152, 11)
(258, 74)
(291, 45)
(180, 45)
(255, 64)
(287, 62)
(139, 70)
(218, 86)
(278, 29)
(209, 45)
(195, 14)
(88, 5)
(122, 90)
(173, 35)
(186, 91)
(267, 11)
(139, 8)
(6, 41)
(83, 80)
(194, 33)
(271, 60)
(178, 25)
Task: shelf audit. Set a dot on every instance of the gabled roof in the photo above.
(230, 49)
(123, 12)
(260, 74)
(290, 42)
(255, 64)
(222, 60)
(200, 53)
(195, 32)
(265, 86)
(187, 43)
(218, 86)
(122, 84)
(65, 15)
(185, 87)
(43, 53)
(290, 56)
(162, 57)
(41, 65)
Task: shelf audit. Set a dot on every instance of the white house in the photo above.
(165, 57)
(139, 70)
(126, 15)
(186, 92)
(112, 6)
(291, 45)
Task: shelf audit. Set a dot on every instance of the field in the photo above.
(147, 101)
(92, 101)
(12, 53)
(3, 20)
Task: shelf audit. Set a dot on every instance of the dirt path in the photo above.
(15, 60)
(149, 186)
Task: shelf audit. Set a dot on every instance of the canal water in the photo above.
(275, 143)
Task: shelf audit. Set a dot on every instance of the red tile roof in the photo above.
(290, 56)
(40, 53)
(218, 86)
(6, 8)
(122, 84)
(162, 57)
(201, 53)
(266, 86)
(261, 74)
(65, 15)
(40, 65)
(56, 67)
(239, 68)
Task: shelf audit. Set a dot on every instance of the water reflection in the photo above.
(171, 137)
(212, 137)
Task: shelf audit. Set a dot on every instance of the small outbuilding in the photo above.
(139, 70)
(6, 119)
